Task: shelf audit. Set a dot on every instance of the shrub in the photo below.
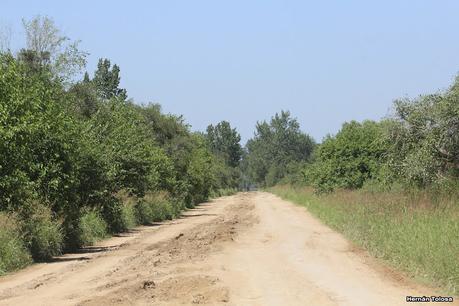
(143, 212)
(92, 227)
(13, 253)
(43, 235)
(348, 159)
(128, 215)
(112, 213)
(156, 207)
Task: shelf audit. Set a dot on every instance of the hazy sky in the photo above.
(242, 61)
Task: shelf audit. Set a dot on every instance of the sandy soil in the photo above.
(248, 249)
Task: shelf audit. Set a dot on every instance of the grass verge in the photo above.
(414, 232)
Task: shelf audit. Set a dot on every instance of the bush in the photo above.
(43, 235)
(128, 215)
(143, 213)
(112, 213)
(155, 208)
(348, 159)
(13, 253)
(91, 228)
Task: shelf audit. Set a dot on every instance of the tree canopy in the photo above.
(276, 149)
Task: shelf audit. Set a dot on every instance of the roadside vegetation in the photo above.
(391, 186)
(413, 232)
(79, 160)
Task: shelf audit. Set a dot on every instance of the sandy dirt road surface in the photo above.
(247, 249)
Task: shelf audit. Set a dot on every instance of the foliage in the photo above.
(47, 46)
(199, 172)
(348, 159)
(77, 160)
(83, 100)
(154, 208)
(424, 138)
(37, 144)
(13, 253)
(42, 233)
(417, 147)
(276, 145)
(92, 228)
(224, 141)
(107, 79)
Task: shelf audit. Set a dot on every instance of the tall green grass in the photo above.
(417, 232)
(13, 252)
(155, 207)
(92, 228)
(42, 233)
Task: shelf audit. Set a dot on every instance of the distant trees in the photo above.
(416, 147)
(107, 80)
(225, 142)
(277, 149)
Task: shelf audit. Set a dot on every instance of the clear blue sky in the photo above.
(242, 61)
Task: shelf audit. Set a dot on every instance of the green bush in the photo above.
(128, 215)
(13, 253)
(42, 233)
(112, 213)
(348, 159)
(143, 212)
(155, 208)
(92, 228)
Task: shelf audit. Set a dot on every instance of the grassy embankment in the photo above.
(414, 232)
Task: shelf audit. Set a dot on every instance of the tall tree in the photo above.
(225, 141)
(107, 80)
(276, 148)
(46, 45)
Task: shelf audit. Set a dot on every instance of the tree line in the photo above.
(417, 146)
(80, 160)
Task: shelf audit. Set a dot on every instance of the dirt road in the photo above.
(247, 249)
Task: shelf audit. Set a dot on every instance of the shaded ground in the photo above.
(248, 249)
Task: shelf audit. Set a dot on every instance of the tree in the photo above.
(225, 142)
(275, 147)
(348, 159)
(424, 138)
(5, 38)
(45, 45)
(83, 99)
(107, 80)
